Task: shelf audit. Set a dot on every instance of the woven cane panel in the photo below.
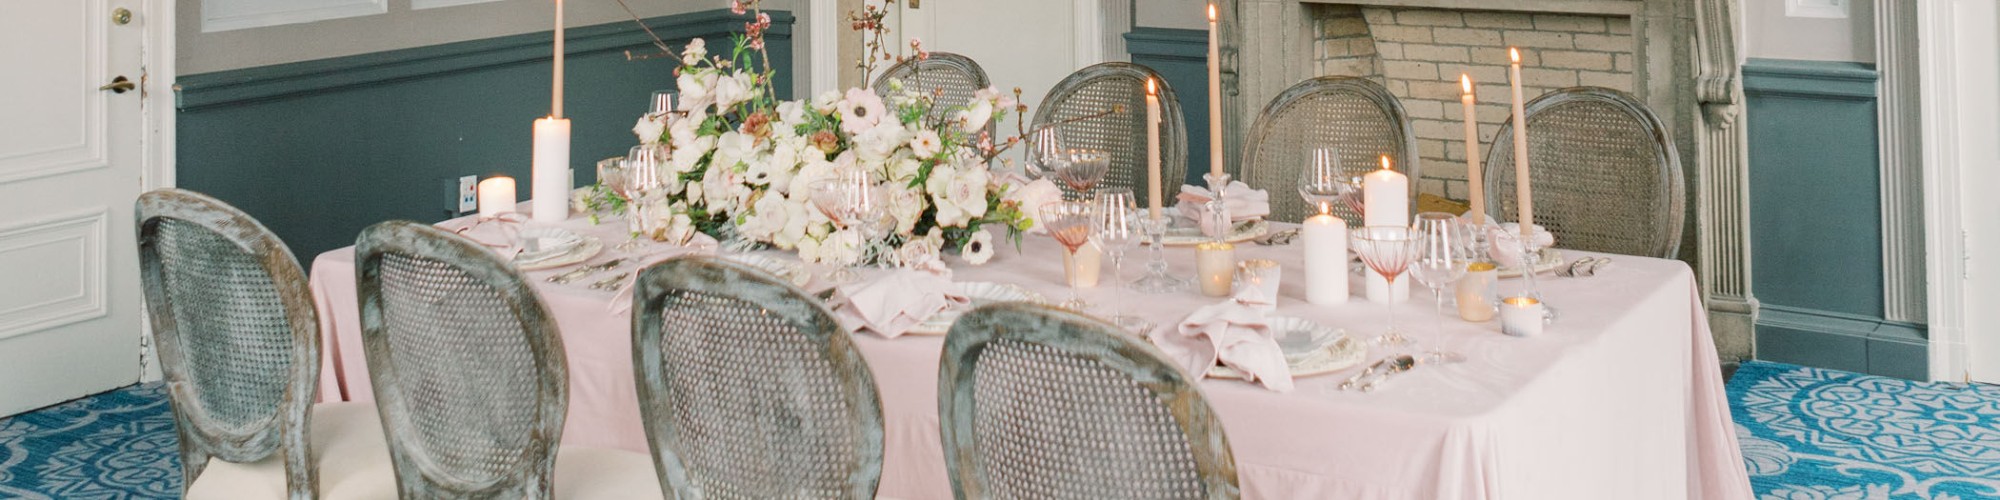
(1596, 178)
(463, 370)
(1123, 135)
(1357, 125)
(235, 343)
(1049, 425)
(758, 411)
(951, 86)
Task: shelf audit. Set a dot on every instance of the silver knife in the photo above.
(580, 272)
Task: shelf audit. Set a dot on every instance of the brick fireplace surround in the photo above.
(1678, 56)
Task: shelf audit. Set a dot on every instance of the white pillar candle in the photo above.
(1521, 316)
(550, 188)
(1081, 269)
(1475, 180)
(1215, 267)
(1380, 292)
(1522, 193)
(1153, 191)
(1214, 93)
(1385, 195)
(1475, 292)
(496, 196)
(1326, 259)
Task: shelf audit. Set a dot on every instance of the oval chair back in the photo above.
(1098, 89)
(1357, 116)
(237, 335)
(1605, 174)
(950, 78)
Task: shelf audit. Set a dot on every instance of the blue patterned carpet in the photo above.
(1811, 434)
(116, 445)
(1807, 434)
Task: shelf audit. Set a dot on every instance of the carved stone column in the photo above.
(1267, 47)
(1722, 188)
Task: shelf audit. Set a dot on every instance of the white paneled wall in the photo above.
(225, 15)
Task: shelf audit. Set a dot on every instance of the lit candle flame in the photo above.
(1515, 54)
(1465, 81)
(1150, 88)
(1211, 13)
(1385, 162)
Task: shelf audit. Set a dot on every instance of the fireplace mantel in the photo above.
(1685, 70)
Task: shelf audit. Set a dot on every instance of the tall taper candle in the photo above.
(1472, 175)
(556, 89)
(1522, 193)
(1153, 192)
(1214, 94)
(551, 170)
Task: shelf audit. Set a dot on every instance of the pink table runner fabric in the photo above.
(1623, 398)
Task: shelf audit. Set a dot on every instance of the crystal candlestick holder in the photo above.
(1216, 221)
(1157, 278)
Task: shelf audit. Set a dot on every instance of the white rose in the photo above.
(732, 90)
(906, 206)
(926, 144)
(797, 218)
(842, 248)
(811, 172)
(767, 218)
(697, 49)
(916, 253)
(733, 149)
(808, 249)
(697, 89)
(1031, 197)
(903, 168)
(959, 194)
(649, 129)
(974, 117)
(978, 249)
(880, 141)
(686, 128)
(826, 103)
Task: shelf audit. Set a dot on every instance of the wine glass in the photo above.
(1082, 169)
(1045, 153)
(1071, 223)
(1117, 229)
(641, 179)
(1441, 259)
(849, 199)
(663, 102)
(1388, 250)
(1321, 184)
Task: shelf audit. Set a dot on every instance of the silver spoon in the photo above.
(1399, 364)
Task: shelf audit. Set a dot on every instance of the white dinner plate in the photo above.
(981, 293)
(1310, 349)
(793, 272)
(1180, 236)
(1548, 262)
(584, 248)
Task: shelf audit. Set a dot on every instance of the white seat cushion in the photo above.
(352, 456)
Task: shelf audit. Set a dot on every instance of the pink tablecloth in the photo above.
(1623, 398)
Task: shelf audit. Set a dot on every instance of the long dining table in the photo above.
(1622, 397)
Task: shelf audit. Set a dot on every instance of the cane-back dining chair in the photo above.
(1042, 403)
(470, 377)
(1095, 92)
(950, 78)
(1605, 175)
(238, 340)
(1355, 116)
(749, 388)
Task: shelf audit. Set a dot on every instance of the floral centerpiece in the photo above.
(742, 162)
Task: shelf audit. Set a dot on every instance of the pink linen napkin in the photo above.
(1233, 333)
(893, 303)
(1506, 240)
(1244, 203)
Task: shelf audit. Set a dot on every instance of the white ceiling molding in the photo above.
(226, 15)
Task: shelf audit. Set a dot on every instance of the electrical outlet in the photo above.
(468, 194)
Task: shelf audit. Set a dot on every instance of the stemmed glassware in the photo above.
(1441, 259)
(663, 102)
(1320, 183)
(640, 178)
(1389, 250)
(1082, 169)
(849, 198)
(1072, 223)
(1117, 228)
(1045, 153)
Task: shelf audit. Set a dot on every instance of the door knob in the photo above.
(119, 85)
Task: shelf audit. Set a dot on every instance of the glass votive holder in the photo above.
(1521, 316)
(1477, 293)
(1262, 274)
(1215, 267)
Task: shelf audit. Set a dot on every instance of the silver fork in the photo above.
(580, 272)
(609, 283)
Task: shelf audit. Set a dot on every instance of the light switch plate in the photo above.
(468, 194)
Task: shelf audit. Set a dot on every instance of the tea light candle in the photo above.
(496, 196)
(1521, 316)
(1475, 292)
(1326, 259)
(1215, 265)
(1082, 268)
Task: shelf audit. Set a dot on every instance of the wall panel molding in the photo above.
(28, 260)
(226, 15)
(1902, 162)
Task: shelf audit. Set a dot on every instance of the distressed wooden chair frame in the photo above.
(265, 272)
(1092, 342)
(429, 469)
(1604, 169)
(695, 293)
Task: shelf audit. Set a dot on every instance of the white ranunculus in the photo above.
(797, 218)
(1031, 197)
(926, 144)
(650, 128)
(975, 116)
(733, 89)
(826, 103)
(841, 248)
(767, 217)
(791, 114)
(808, 249)
(978, 249)
(880, 141)
(733, 150)
(684, 129)
(697, 89)
(959, 194)
(902, 168)
(697, 49)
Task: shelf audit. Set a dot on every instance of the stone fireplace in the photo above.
(1678, 56)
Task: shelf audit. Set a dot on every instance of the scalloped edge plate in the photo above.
(980, 293)
(1318, 350)
(793, 272)
(1181, 236)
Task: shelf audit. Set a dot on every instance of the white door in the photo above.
(1031, 44)
(70, 168)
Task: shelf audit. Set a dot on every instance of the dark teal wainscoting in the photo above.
(1816, 224)
(1180, 56)
(318, 150)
